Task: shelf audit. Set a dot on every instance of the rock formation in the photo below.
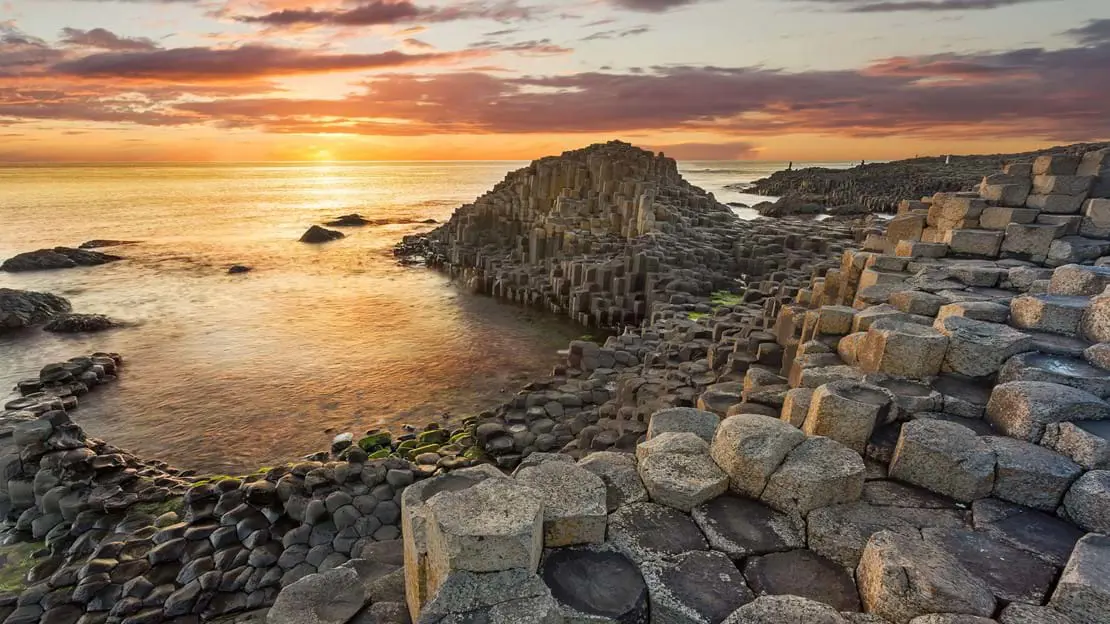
(22, 308)
(79, 323)
(317, 234)
(56, 258)
(869, 427)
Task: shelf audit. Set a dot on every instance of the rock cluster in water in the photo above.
(865, 426)
(56, 258)
(78, 323)
(317, 234)
(23, 308)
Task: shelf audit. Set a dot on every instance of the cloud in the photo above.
(379, 12)
(105, 40)
(896, 6)
(535, 47)
(616, 34)
(1094, 32)
(20, 52)
(200, 64)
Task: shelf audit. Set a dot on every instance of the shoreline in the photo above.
(795, 413)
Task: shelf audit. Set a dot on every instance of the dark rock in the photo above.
(573, 574)
(77, 323)
(1011, 574)
(1046, 537)
(317, 234)
(238, 268)
(101, 243)
(803, 573)
(350, 220)
(695, 587)
(740, 527)
(21, 308)
(648, 531)
(56, 258)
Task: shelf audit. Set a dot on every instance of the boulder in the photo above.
(573, 498)
(56, 258)
(683, 419)
(817, 473)
(1083, 591)
(741, 527)
(22, 308)
(1022, 409)
(749, 448)
(618, 472)
(317, 234)
(1087, 443)
(944, 457)
(330, 597)
(848, 411)
(1030, 475)
(79, 323)
(349, 220)
(1088, 501)
(901, 577)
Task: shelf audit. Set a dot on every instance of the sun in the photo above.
(322, 155)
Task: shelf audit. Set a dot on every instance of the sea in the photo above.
(226, 373)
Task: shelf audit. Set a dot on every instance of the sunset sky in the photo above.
(222, 80)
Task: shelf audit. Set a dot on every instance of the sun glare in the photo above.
(322, 155)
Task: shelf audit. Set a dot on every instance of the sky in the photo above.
(323, 80)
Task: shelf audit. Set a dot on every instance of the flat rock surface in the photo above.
(695, 587)
(596, 582)
(802, 573)
(650, 531)
(740, 527)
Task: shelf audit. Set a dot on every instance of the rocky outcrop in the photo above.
(79, 323)
(56, 258)
(317, 234)
(879, 187)
(22, 308)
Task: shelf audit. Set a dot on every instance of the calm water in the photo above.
(228, 372)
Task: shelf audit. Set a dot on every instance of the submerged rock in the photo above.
(350, 220)
(100, 243)
(238, 268)
(56, 258)
(75, 323)
(317, 234)
(20, 308)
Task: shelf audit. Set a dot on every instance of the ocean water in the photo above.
(229, 372)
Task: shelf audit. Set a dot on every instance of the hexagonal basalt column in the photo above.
(847, 411)
(573, 503)
(944, 457)
(494, 526)
(749, 448)
(817, 473)
(902, 349)
(978, 348)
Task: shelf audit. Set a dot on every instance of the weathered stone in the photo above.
(749, 448)
(1087, 443)
(683, 419)
(1083, 591)
(1055, 314)
(573, 500)
(496, 597)
(682, 481)
(573, 574)
(1056, 369)
(781, 609)
(848, 411)
(331, 597)
(1095, 324)
(944, 457)
(1029, 474)
(695, 587)
(802, 573)
(1018, 613)
(901, 577)
(978, 348)
(1046, 537)
(1011, 574)
(1088, 501)
(618, 472)
(646, 531)
(902, 349)
(1022, 409)
(817, 473)
(740, 527)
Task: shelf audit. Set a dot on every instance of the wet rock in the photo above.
(647, 531)
(56, 258)
(22, 308)
(79, 323)
(573, 573)
(317, 234)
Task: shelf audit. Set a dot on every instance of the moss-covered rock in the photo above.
(16, 560)
(376, 440)
(380, 454)
(435, 436)
(175, 504)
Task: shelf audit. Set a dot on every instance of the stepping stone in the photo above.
(901, 577)
(509, 596)
(741, 527)
(681, 481)
(1030, 475)
(573, 500)
(1055, 314)
(840, 532)
(572, 575)
(681, 443)
(1056, 369)
(1081, 280)
(847, 411)
(647, 531)
(979, 348)
(802, 573)
(909, 396)
(618, 472)
(817, 473)
(904, 349)
(1013, 575)
(780, 609)
(945, 458)
(1088, 501)
(962, 396)
(1083, 592)
(1018, 613)
(1087, 443)
(695, 587)
(1022, 409)
(749, 448)
(1046, 537)
(886, 493)
(683, 419)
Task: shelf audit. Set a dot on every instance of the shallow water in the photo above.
(229, 372)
